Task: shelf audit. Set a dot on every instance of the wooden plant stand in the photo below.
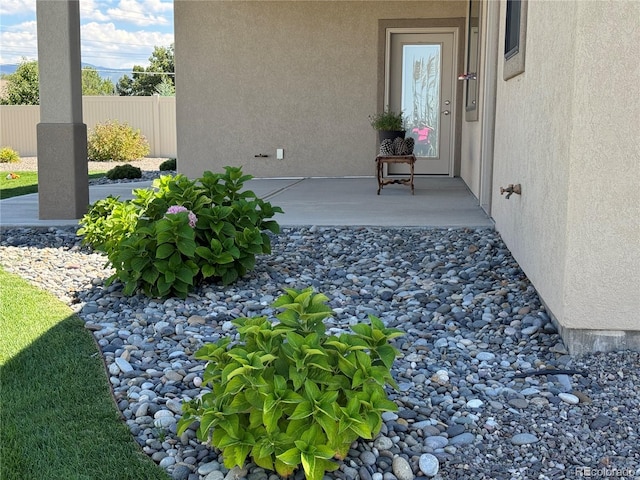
(382, 181)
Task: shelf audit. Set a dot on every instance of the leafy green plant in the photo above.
(387, 120)
(169, 238)
(287, 394)
(9, 155)
(124, 171)
(170, 164)
(116, 142)
(108, 223)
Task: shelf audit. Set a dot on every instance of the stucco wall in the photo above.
(470, 164)
(295, 75)
(471, 131)
(603, 229)
(566, 130)
(532, 145)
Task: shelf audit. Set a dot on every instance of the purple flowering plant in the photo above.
(180, 209)
(177, 209)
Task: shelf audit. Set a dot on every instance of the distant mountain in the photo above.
(113, 74)
(8, 69)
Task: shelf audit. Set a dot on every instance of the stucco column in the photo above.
(63, 177)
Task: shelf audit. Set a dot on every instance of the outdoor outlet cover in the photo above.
(279, 153)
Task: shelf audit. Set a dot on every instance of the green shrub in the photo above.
(387, 120)
(288, 394)
(116, 142)
(9, 155)
(108, 223)
(170, 164)
(124, 171)
(168, 239)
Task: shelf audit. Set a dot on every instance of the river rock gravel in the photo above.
(470, 402)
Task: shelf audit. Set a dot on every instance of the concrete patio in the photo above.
(438, 202)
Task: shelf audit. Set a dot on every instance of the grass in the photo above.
(27, 183)
(57, 417)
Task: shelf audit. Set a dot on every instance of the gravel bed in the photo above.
(476, 399)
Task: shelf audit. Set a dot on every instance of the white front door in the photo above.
(420, 81)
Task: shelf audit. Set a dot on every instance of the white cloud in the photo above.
(90, 11)
(106, 39)
(20, 41)
(109, 46)
(141, 12)
(17, 7)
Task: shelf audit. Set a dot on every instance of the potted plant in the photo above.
(389, 124)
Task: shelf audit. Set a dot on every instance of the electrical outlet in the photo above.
(279, 153)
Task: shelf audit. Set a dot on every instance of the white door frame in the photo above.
(454, 100)
(490, 29)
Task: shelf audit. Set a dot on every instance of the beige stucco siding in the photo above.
(533, 138)
(302, 76)
(603, 265)
(566, 130)
(470, 155)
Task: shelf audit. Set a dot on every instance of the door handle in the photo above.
(446, 112)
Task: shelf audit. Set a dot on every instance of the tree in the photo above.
(124, 87)
(166, 88)
(22, 86)
(94, 84)
(145, 81)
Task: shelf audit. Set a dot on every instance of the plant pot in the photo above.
(390, 134)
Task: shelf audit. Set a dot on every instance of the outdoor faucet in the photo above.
(511, 189)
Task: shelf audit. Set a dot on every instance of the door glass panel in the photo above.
(421, 96)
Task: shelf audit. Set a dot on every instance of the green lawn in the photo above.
(57, 417)
(27, 183)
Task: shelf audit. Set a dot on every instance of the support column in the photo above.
(63, 177)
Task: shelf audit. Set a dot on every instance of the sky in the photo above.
(114, 33)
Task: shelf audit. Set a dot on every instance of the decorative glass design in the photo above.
(421, 96)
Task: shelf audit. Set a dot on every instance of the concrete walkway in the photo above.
(438, 202)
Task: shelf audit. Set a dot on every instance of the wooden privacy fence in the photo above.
(154, 116)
